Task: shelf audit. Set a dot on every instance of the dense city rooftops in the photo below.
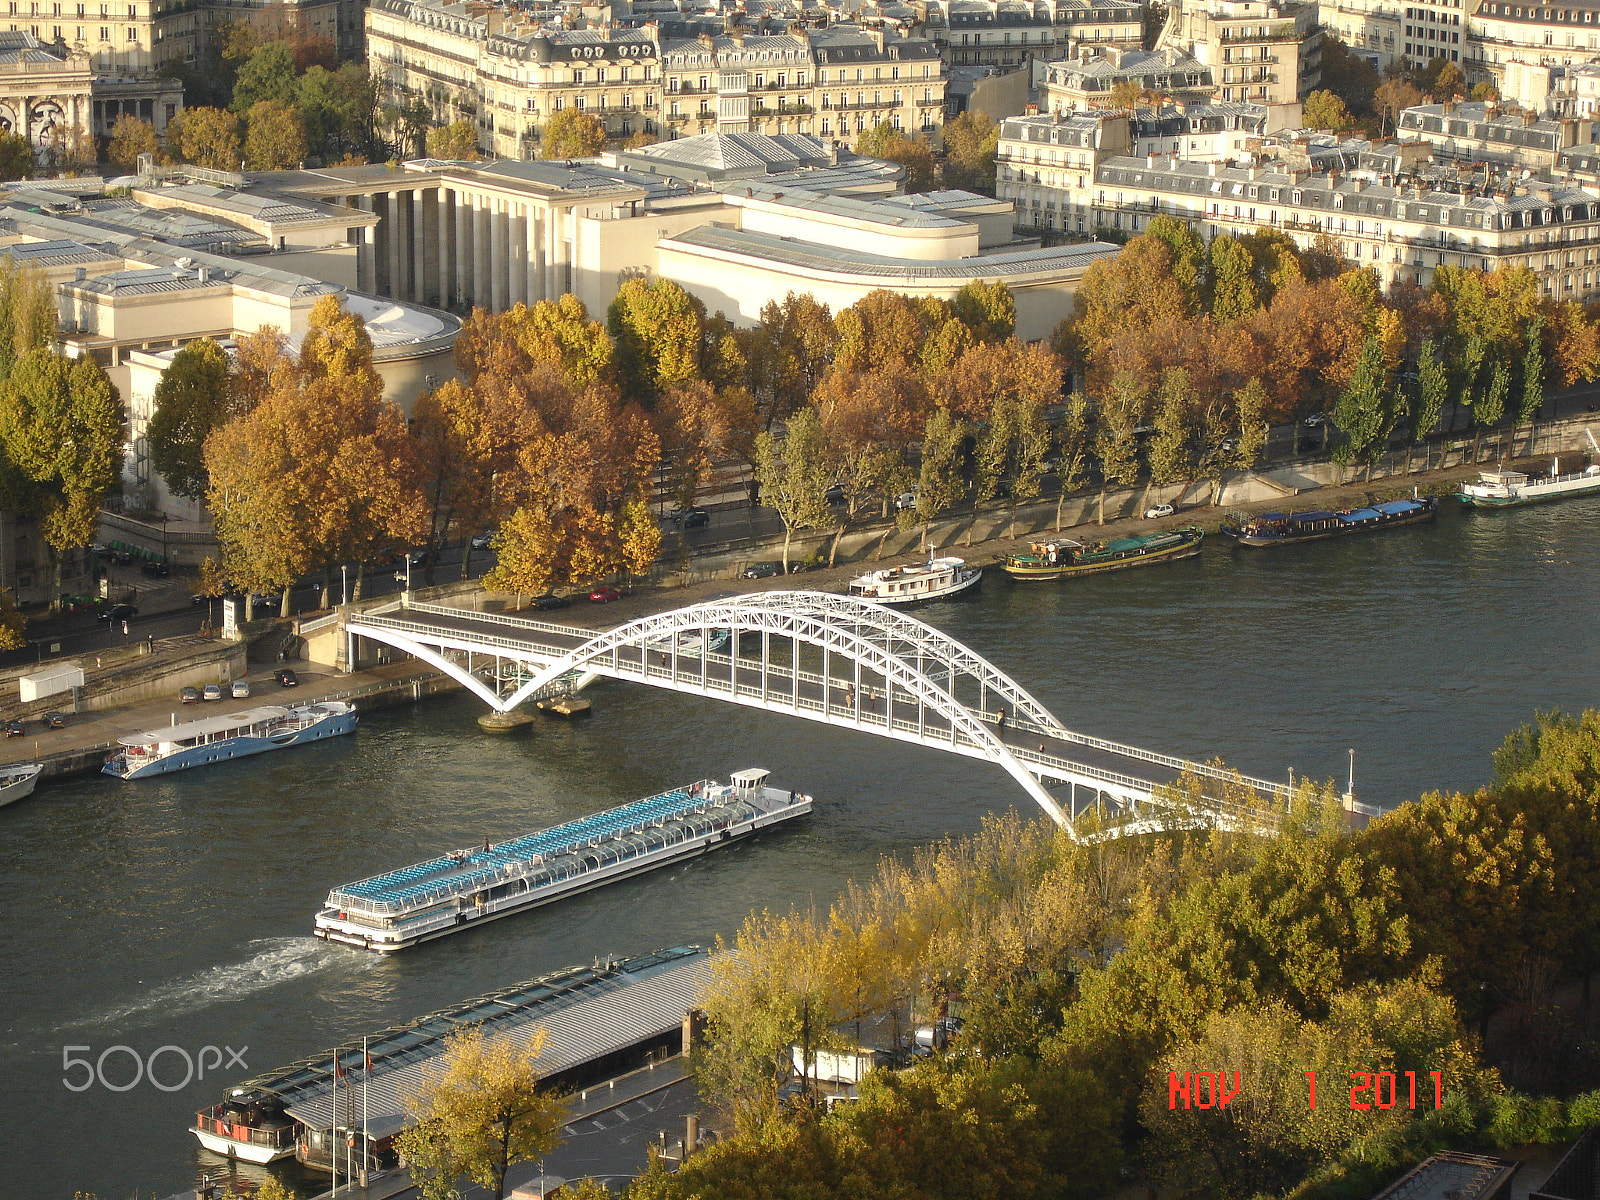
(1486, 125)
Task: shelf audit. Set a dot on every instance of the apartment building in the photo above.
(1093, 78)
(1371, 29)
(1258, 51)
(512, 73)
(1011, 33)
(1493, 133)
(1379, 206)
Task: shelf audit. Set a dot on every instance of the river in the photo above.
(177, 911)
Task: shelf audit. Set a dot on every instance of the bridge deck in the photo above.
(1050, 754)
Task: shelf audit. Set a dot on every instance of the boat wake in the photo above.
(275, 961)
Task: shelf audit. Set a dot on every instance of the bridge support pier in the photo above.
(504, 722)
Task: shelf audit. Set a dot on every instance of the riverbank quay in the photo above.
(80, 748)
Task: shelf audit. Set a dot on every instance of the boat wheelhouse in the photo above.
(1064, 557)
(1274, 529)
(429, 899)
(234, 735)
(936, 579)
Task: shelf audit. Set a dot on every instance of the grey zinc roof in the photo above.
(580, 1024)
(59, 252)
(870, 212)
(814, 257)
(727, 151)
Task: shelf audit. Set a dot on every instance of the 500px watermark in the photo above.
(128, 1068)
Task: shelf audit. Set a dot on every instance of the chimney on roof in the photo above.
(82, 274)
(203, 274)
(1150, 159)
(1491, 110)
(1213, 167)
(1529, 117)
(1030, 110)
(708, 41)
(1449, 107)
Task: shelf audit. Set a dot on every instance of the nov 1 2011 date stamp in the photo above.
(1368, 1089)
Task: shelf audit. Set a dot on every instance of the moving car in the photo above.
(1159, 511)
(481, 541)
(117, 612)
(212, 691)
(189, 695)
(287, 678)
(605, 595)
(157, 567)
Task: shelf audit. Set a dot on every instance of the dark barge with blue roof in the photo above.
(1276, 529)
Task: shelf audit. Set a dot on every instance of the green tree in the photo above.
(27, 312)
(207, 137)
(792, 475)
(1364, 412)
(1324, 110)
(61, 423)
(971, 142)
(1393, 97)
(657, 329)
(572, 133)
(1433, 387)
(457, 140)
(131, 137)
(268, 74)
(1348, 76)
(192, 399)
(939, 482)
(1119, 415)
(1491, 409)
(1532, 399)
(988, 309)
(13, 624)
(1250, 410)
(275, 136)
(1072, 449)
(886, 142)
(1171, 453)
(17, 159)
(1233, 287)
(486, 1111)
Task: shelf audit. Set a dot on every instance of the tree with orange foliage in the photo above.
(869, 421)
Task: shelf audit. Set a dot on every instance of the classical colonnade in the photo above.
(453, 247)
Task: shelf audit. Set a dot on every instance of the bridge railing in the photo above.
(530, 623)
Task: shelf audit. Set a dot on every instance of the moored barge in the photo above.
(430, 899)
(1276, 529)
(235, 735)
(1064, 557)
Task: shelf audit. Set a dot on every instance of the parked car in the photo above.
(117, 612)
(1315, 420)
(189, 695)
(605, 595)
(421, 558)
(157, 567)
(212, 691)
(15, 729)
(691, 518)
(763, 570)
(55, 720)
(287, 678)
(905, 500)
(550, 600)
(799, 565)
(265, 605)
(481, 541)
(1159, 511)
(240, 689)
(834, 495)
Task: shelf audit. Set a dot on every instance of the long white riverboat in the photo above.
(430, 899)
(1503, 488)
(935, 579)
(235, 735)
(17, 781)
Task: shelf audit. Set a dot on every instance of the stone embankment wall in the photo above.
(112, 679)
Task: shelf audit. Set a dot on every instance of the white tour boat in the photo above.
(17, 781)
(249, 1125)
(236, 735)
(933, 580)
(414, 904)
(1502, 488)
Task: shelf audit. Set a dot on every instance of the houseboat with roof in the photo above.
(1503, 488)
(1276, 529)
(936, 579)
(235, 735)
(1061, 558)
(430, 899)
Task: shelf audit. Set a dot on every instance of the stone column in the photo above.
(364, 249)
(517, 254)
(482, 293)
(463, 257)
(531, 244)
(445, 240)
(394, 238)
(552, 236)
(499, 253)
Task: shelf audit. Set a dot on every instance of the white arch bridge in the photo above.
(815, 655)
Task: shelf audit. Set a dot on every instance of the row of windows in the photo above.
(55, 33)
(1447, 36)
(105, 10)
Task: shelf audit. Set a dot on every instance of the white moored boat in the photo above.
(466, 887)
(17, 781)
(236, 735)
(932, 580)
